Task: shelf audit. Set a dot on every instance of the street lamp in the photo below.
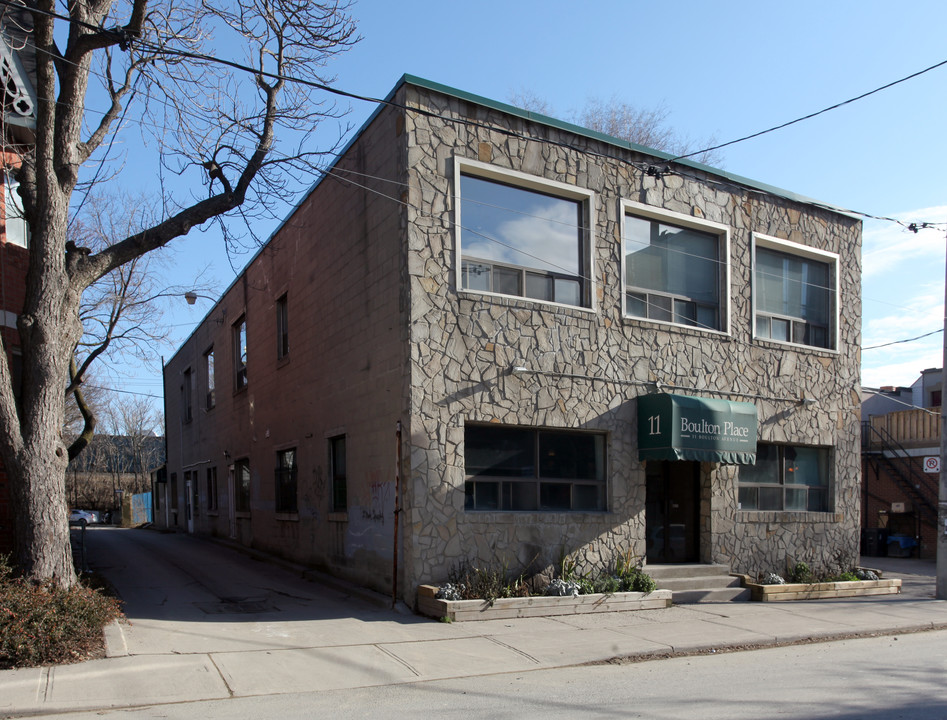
(191, 297)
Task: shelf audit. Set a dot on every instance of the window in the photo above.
(786, 477)
(523, 236)
(240, 353)
(795, 293)
(674, 272)
(17, 231)
(286, 481)
(337, 473)
(211, 397)
(212, 489)
(522, 469)
(282, 328)
(187, 413)
(241, 476)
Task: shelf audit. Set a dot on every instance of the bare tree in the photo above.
(120, 315)
(649, 127)
(139, 425)
(220, 131)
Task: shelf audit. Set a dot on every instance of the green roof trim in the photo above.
(608, 139)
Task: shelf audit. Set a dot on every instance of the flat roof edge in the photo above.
(617, 142)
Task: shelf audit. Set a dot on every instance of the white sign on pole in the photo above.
(932, 464)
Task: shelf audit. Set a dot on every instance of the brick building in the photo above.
(900, 437)
(19, 122)
(537, 341)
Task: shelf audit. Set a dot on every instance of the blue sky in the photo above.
(722, 70)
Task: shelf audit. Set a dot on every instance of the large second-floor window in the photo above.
(795, 294)
(674, 272)
(524, 237)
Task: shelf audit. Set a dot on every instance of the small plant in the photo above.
(561, 588)
(771, 578)
(484, 582)
(801, 573)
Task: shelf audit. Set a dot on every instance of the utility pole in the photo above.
(941, 528)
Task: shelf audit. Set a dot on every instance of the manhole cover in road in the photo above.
(236, 606)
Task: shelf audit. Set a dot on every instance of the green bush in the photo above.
(41, 624)
(801, 573)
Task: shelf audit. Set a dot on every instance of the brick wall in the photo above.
(339, 261)
(14, 261)
(880, 489)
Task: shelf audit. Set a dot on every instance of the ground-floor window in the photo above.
(241, 469)
(786, 477)
(510, 468)
(286, 481)
(212, 489)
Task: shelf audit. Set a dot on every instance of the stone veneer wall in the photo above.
(590, 365)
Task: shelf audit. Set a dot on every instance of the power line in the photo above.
(900, 342)
(814, 114)
(124, 39)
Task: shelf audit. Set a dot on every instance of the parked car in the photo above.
(81, 517)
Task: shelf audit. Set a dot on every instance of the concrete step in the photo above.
(699, 582)
(685, 570)
(708, 595)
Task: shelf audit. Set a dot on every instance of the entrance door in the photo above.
(672, 511)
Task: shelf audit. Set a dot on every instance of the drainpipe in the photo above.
(167, 480)
(394, 562)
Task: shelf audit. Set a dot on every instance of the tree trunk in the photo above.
(43, 547)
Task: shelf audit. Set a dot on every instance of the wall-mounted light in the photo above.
(518, 370)
(807, 401)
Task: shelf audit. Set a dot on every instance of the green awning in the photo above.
(680, 427)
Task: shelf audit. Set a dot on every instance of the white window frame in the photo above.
(810, 253)
(17, 231)
(722, 231)
(465, 166)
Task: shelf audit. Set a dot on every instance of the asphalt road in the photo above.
(868, 679)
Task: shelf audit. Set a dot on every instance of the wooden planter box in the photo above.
(540, 606)
(816, 591)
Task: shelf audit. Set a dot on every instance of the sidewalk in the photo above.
(313, 637)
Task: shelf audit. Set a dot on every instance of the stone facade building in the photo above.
(460, 321)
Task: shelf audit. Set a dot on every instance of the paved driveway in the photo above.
(183, 595)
